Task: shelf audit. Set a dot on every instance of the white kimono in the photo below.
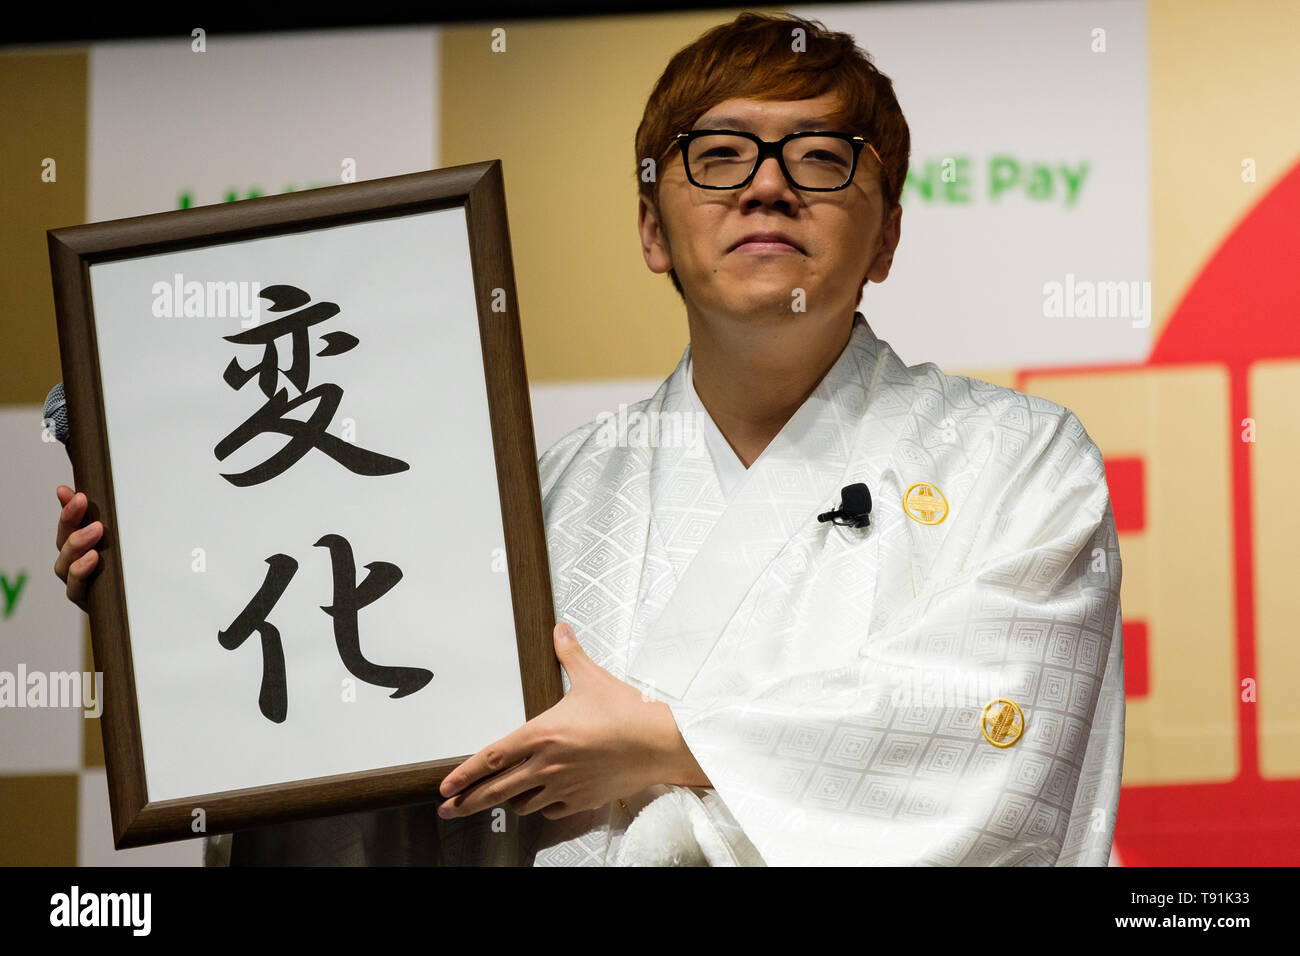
(943, 687)
(832, 682)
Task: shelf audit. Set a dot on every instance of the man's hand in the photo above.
(603, 741)
(78, 559)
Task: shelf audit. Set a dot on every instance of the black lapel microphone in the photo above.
(855, 505)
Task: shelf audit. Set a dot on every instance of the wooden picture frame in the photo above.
(307, 228)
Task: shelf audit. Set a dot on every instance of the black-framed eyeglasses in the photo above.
(812, 160)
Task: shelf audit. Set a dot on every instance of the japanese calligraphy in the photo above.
(349, 598)
(273, 415)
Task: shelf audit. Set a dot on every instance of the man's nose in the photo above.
(769, 180)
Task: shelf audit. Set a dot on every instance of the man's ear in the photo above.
(654, 238)
(889, 236)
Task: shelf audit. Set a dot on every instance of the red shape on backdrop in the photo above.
(1242, 306)
(1125, 477)
(1137, 680)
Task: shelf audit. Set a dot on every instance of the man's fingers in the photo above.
(77, 560)
(494, 758)
(76, 548)
(74, 509)
(496, 790)
(79, 575)
(532, 800)
(488, 762)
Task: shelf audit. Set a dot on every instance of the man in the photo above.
(938, 680)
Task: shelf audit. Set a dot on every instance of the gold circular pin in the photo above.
(925, 503)
(1005, 727)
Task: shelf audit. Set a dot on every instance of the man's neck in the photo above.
(753, 376)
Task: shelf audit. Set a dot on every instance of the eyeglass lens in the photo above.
(816, 162)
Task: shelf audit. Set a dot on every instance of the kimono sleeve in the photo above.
(894, 755)
(553, 462)
(1096, 803)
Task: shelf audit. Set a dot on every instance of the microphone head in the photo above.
(856, 499)
(56, 414)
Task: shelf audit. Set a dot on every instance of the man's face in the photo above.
(838, 238)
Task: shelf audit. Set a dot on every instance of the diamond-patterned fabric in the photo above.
(830, 680)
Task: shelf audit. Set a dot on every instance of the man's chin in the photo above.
(757, 306)
(765, 292)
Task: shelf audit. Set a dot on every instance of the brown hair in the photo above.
(752, 57)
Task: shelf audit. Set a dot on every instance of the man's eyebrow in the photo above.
(735, 122)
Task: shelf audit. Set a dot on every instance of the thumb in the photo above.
(567, 648)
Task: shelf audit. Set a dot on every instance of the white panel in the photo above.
(985, 80)
(560, 407)
(272, 112)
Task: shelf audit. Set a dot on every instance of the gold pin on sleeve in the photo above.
(1005, 725)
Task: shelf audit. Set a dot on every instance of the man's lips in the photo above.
(766, 242)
